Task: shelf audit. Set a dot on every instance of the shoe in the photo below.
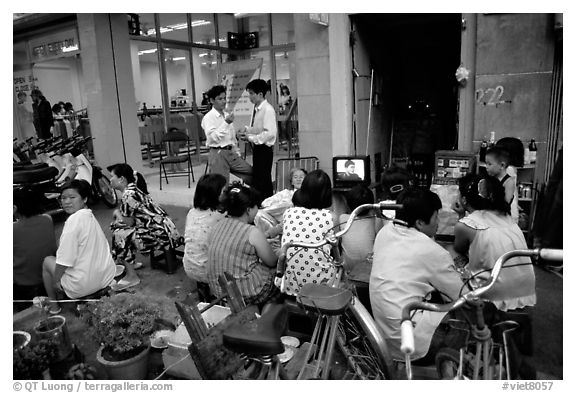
(137, 265)
(123, 284)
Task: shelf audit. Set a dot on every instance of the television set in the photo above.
(348, 171)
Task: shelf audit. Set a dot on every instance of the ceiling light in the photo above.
(70, 48)
(200, 22)
(179, 58)
(143, 52)
(179, 26)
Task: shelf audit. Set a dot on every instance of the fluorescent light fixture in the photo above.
(200, 22)
(179, 58)
(143, 52)
(70, 48)
(179, 26)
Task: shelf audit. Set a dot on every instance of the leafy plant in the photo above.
(31, 361)
(122, 323)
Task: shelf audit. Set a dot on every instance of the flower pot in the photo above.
(54, 328)
(20, 339)
(133, 368)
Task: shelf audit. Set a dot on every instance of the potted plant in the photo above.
(122, 324)
(33, 361)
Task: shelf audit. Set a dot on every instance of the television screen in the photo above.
(347, 171)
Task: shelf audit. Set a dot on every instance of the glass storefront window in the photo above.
(147, 28)
(258, 23)
(203, 31)
(282, 29)
(146, 75)
(266, 71)
(174, 27)
(205, 71)
(285, 80)
(178, 77)
(226, 23)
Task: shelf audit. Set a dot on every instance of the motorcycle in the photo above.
(61, 161)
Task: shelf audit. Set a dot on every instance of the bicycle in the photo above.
(482, 354)
(342, 322)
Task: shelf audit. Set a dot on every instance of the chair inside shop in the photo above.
(175, 151)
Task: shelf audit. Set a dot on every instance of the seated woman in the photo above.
(358, 242)
(83, 264)
(33, 240)
(269, 218)
(487, 232)
(140, 224)
(236, 246)
(309, 220)
(199, 221)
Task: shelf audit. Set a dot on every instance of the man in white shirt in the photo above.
(224, 156)
(263, 136)
(409, 266)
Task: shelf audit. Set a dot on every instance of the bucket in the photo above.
(54, 328)
(20, 339)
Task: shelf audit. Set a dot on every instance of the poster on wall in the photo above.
(235, 77)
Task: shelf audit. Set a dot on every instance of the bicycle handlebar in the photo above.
(332, 240)
(407, 329)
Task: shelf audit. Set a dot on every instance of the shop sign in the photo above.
(60, 44)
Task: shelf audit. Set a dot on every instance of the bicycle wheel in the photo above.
(106, 192)
(447, 362)
(362, 345)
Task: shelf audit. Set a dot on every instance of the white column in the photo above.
(109, 87)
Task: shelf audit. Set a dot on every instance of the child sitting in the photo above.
(497, 161)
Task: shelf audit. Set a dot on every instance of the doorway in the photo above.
(415, 94)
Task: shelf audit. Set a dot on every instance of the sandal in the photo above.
(122, 285)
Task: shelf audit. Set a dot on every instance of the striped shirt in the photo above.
(229, 250)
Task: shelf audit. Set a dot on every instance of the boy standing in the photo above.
(497, 160)
(263, 135)
(224, 157)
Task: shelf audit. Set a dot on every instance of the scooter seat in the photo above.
(260, 336)
(34, 175)
(28, 167)
(325, 299)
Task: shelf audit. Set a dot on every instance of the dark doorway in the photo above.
(417, 56)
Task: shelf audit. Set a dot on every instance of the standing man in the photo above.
(263, 135)
(42, 114)
(224, 156)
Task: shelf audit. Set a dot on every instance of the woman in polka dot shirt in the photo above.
(310, 220)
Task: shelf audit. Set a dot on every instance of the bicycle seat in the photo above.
(327, 300)
(258, 337)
